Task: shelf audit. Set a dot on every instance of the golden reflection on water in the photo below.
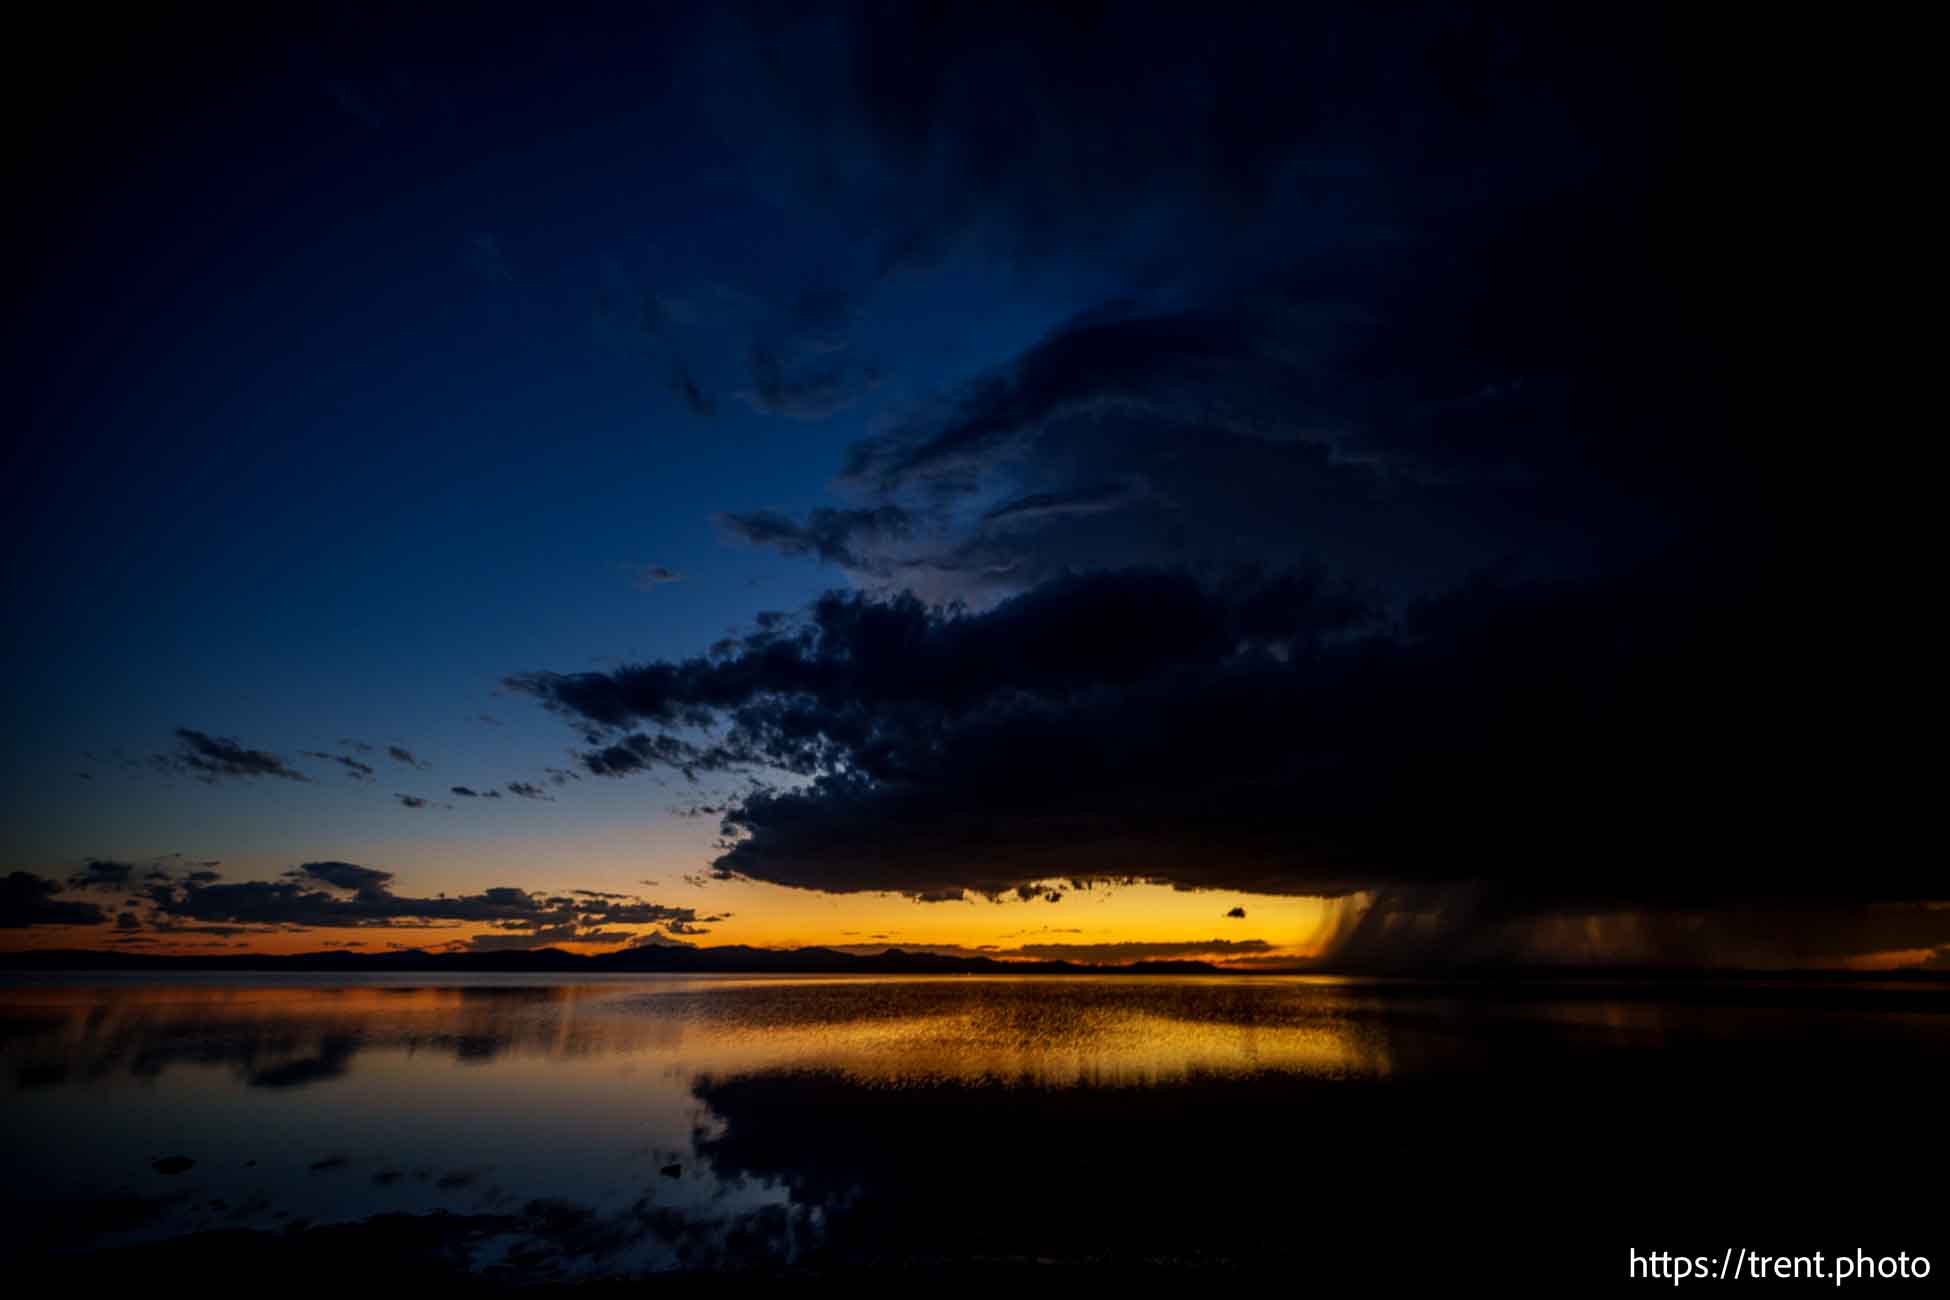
(1036, 1032)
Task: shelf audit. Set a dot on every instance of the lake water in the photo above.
(520, 1129)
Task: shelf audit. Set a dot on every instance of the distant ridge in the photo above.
(738, 959)
(731, 959)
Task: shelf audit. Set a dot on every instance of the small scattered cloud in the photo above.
(686, 387)
(103, 874)
(355, 769)
(651, 576)
(210, 759)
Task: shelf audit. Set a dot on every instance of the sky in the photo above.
(1039, 480)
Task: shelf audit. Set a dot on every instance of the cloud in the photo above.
(524, 790)
(652, 576)
(355, 769)
(1538, 748)
(27, 900)
(412, 801)
(350, 876)
(1405, 424)
(686, 387)
(806, 392)
(853, 539)
(400, 754)
(103, 874)
(210, 759)
(1236, 914)
(1326, 336)
(345, 894)
(543, 938)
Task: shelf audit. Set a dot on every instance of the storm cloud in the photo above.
(1391, 531)
(1576, 745)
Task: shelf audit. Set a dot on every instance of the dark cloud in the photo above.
(212, 933)
(1236, 914)
(399, 754)
(345, 894)
(349, 876)
(853, 539)
(686, 387)
(652, 576)
(27, 899)
(1272, 125)
(355, 769)
(464, 792)
(811, 390)
(1576, 745)
(103, 874)
(1406, 426)
(524, 790)
(412, 801)
(211, 758)
(1394, 295)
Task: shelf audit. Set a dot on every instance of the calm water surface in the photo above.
(525, 1129)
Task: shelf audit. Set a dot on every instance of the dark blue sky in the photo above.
(357, 386)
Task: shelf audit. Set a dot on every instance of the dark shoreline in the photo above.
(741, 960)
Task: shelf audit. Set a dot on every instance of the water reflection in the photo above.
(524, 1130)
